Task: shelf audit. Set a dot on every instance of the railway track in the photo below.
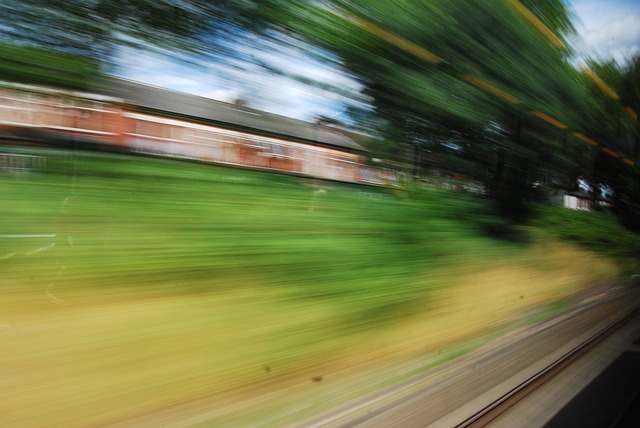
(482, 388)
(501, 405)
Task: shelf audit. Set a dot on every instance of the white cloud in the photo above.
(242, 76)
(608, 29)
(224, 95)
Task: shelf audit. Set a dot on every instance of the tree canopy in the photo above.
(93, 28)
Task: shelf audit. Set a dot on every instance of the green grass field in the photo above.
(132, 284)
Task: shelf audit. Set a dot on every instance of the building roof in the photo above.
(152, 98)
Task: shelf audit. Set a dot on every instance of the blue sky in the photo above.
(237, 78)
(606, 29)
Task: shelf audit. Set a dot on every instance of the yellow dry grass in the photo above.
(101, 360)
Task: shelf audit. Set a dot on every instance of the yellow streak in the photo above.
(585, 138)
(491, 89)
(536, 23)
(611, 152)
(395, 40)
(549, 119)
(631, 113)
(598, 81)
(628, 162)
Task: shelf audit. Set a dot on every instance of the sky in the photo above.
(608, 29)
(242, 77)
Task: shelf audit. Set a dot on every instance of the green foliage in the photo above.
(122, 220)
(553, 14)
(610, 124)
(100, 224)
(434, 107)
(95, 28)
(31, 65)
(598, 231)
(603, 117)
(488, 40)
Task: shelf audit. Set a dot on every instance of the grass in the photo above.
(141, 221)
(167, 282)
(599, 231)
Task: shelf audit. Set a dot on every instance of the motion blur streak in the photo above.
(550, 120)
(544, 30)
(403, 44)
(237, 292)
(168, 259)
(491, 89)
(585, 138)
(598, 81)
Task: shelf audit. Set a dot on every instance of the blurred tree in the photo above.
(444, 75)
(93, 28)
(36, 31)
(26, 64)
(609, 111)
(554, 15)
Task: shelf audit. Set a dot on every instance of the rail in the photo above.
(505, 402)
